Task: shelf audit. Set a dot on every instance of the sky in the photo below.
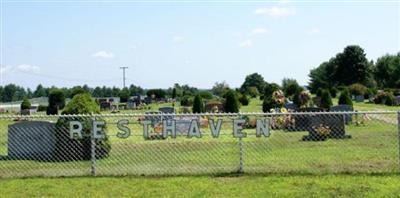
(189, 42)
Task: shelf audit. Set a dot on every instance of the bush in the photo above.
(344, 98)
(56, 101)
(333, 91)
(25, 104)
(389, 99)
(42, 108)
(231, 102)
(386, 98)
(198, 105)
(276, 100)
(319, 92)
(206, 95)
(357, 89)
(244, 100)
(124, 95)
(326, 100)
(79, 149)
(186, 101)
(157, 93)
(252, 91)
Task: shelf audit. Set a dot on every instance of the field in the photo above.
(281, 165)
(204, 186)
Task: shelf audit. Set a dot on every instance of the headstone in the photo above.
(25, 112)
(33, 140)
(105, 105)
(302, 121)
(331, 122)
(167, 110)
(359, 98)
(343, 108)
(290, 106)
(397, 100)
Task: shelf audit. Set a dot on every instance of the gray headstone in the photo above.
(167, 110)
(33, 140)
(290, 106)
(359, 98)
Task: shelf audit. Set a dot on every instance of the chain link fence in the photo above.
(193, 144)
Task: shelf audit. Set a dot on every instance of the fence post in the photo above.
(241, 160)
(398, 132)
(93, 149)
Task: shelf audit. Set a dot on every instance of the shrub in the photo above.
(302, 98)
(389, 99)
(357, 89)
(276, 100)
(231, 102)
(244, 100)
(79, 149)
(42, 108)
(124, 95)
(206, 95)
(25, 104)
(198, 105)
(326, 100)
(157, 93)
(56, 101)
(252, 91)
(186, 101)
(344, 98)
(319, 92)
(333, 91)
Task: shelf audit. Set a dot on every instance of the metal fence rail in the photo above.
(176, 144)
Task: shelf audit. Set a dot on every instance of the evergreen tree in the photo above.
(326, 99)
(344, 98)
(198, 105)
(231, 102)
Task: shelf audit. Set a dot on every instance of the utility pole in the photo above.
(123, 74)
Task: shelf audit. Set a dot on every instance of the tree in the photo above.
(124, 95)
(186, 100)
(244, 100)
(352, 66)
(157, 93)
(25, 104)
(326, 100)
(205, 95)
(174, 93)
(40, 91)
(344, 98)
(270, 88)
(290, 86)
(322, 76)
(9, 93)
(231, 102)
(79, 149)
(387, 71)
(220, 88)
(135, 90)
(253, 80)
(198, 105)
(357, 89)
(252, 91)
(56, 101)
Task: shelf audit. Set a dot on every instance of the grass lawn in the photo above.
(205, 186)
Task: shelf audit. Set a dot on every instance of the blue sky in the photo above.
(67, 44)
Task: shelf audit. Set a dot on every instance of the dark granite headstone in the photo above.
(302, 121)
(343, 108)
(333, 122)
(33, 140)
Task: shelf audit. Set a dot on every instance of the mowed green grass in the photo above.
(206, 186)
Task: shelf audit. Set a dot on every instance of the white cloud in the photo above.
(246, 44)
(313, 31)
(28, 68)
(275, 11)
(5, 69)
(103, 54)
(258, 31)
(178, 39)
